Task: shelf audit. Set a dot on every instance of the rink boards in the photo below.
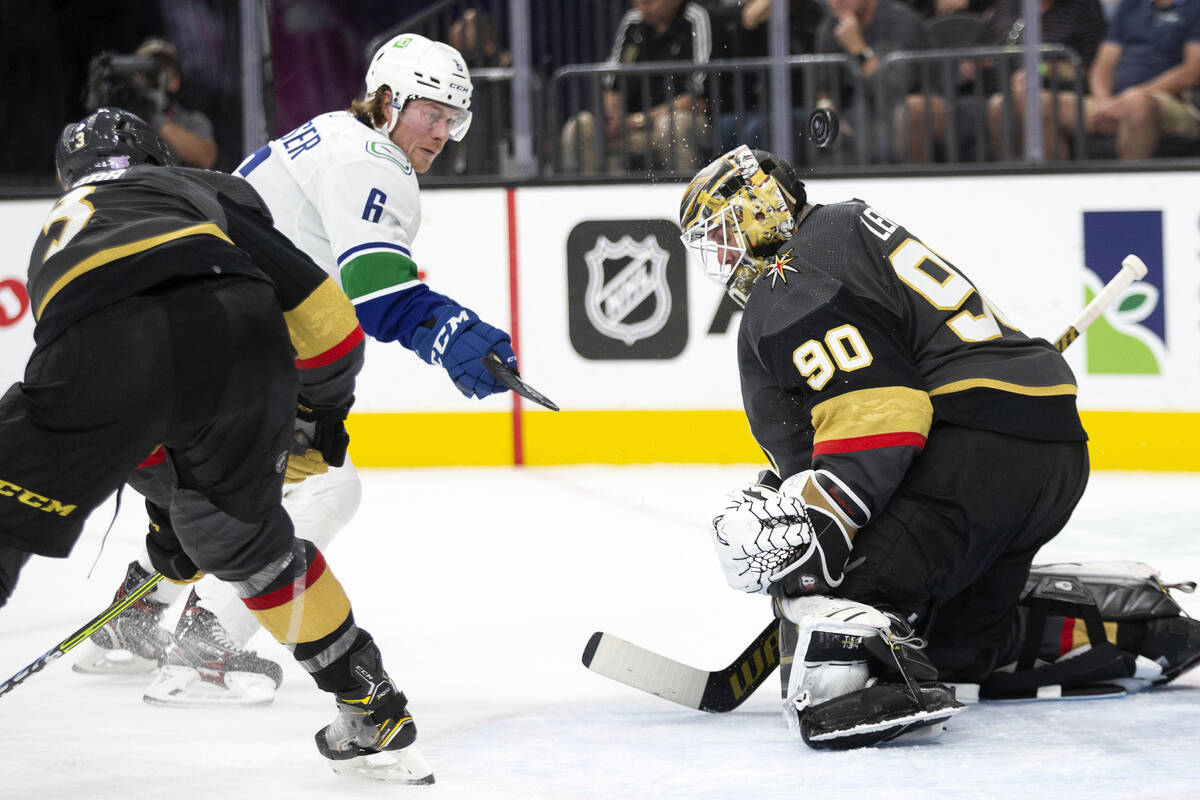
(637, 347)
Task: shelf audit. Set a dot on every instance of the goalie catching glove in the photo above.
(320, 441)
(458, 340)
(791, 540)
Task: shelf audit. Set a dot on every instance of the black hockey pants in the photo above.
(954, 544)
(203, 367)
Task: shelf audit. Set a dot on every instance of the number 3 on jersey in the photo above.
(73, 209)
(946, 291)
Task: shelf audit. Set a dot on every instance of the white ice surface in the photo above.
(482, 587)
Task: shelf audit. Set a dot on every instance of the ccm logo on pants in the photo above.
(8, 489)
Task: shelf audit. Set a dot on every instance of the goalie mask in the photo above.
(108, 139)
(735, 215)
(415, 67)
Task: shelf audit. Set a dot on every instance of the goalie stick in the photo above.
(725, 689)
(81, 635)
(717, 691)
(1132, 269)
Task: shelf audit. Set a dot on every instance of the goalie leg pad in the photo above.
(856, 676)
(1174, 644)
(1088, 624)
(821, 650)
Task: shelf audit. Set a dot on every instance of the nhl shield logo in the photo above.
(640, 274)
(627, 289)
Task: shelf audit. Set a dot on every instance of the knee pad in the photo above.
(1096, 623)
(165, 552)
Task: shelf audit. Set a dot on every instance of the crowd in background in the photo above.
(1122, 82)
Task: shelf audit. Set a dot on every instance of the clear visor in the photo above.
(718, 243)
(432, 115)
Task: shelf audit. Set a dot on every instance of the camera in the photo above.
(137, 85)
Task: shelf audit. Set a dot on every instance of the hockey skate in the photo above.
(373, 736)
(133, 641)
(203, 666)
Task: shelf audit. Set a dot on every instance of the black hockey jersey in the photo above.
(130, 230)
(859, 337)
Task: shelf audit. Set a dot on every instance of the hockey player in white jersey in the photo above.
(343, 187)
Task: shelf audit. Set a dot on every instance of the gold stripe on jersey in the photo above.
(1004, 386)
(871, 412)
(103, 257)
(321, 321)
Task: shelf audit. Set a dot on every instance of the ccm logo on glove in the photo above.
(442, 338)
(458, 340)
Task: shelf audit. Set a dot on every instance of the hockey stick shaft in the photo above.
(81, 635)
(1132, 269)
(725, 689)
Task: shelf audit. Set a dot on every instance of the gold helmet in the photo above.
(735, 215)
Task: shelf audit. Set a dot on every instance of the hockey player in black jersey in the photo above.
(186, 346)
(922, 450)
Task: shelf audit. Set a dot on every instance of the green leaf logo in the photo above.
(1116, 344)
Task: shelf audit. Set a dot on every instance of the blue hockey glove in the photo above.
(458, 340)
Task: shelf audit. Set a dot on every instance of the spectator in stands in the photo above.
(932, 9)
(1078, 24)
(663, 125)
(190, 133)
(739, 31)
(867, 30)
(1139, 83)
(474, 35)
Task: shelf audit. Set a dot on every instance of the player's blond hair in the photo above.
(371, 108)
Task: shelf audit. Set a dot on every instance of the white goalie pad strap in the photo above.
(814, 611)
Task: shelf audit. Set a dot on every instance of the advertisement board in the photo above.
(637, 345)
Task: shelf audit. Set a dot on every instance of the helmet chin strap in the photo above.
(389, 124)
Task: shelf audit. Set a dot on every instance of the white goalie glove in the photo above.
(792, 541)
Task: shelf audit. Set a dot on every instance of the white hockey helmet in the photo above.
(413, 66)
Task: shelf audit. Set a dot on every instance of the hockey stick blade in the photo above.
(512, 379)
(81, 635)
(717, 691)
(1132, 269)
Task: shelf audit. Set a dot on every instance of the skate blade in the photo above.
(393, 766)
(96, 660)
(183, 687)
